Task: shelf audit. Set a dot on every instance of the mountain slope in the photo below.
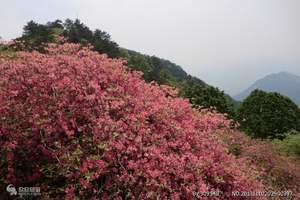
(283, 83)
(162, 71)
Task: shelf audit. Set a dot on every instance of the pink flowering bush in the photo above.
(78, 124)
(278, 172)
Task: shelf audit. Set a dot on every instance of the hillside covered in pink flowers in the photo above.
(81, 125)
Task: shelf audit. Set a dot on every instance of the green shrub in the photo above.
(268, 115)
(291, 144)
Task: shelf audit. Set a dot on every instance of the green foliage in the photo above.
(268, 115)
(6, 51)
(2, 47)
(77, 32)
(35, 35)
(207, 96)
(291, 144)
(154, 68)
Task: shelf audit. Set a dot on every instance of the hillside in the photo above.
(154, 68)
(284, 83)
(92, 129)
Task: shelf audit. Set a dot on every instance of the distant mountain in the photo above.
(284, 83)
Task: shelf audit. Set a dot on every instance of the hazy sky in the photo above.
(227, 43)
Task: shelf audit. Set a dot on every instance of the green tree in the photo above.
(268, 115)
(207, 96)
(34, 35)
(103, 44)
(77, 32)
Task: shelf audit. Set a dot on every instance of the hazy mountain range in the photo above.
(284, 83)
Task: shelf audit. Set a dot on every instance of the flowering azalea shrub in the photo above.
(278, 172)
(78, 124)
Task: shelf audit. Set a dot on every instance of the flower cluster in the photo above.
(79, 124)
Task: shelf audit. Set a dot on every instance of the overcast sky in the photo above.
(227, 43)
